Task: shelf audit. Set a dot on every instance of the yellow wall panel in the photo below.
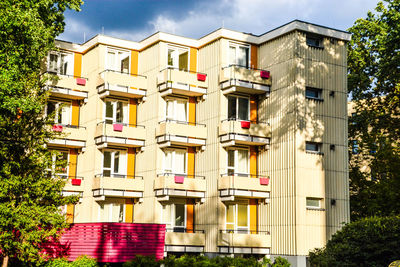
(134, 62)
(190, 215)
(253, 215)
(75, 113)
(129, 210)
(253, 56)
(253, 161)
(73, 159)
(192, 110)
(70, 213)
(131, 163)
(191, 159)
(253, 109)
(77, 65)
(132, 112)
(193, 59)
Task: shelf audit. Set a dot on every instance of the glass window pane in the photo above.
(171, 57)
(109, 110)
(65, 114)
(107, 159)
(63, 64)
(116, 162)
(53, 62)
(181, 110)
(243, 57)
(183, 60)
(313, 202)
(231, 107)
(51, 107)
(243, 109)
(311, 146)
(242, 215)
(119, 117)
(125, 65)
(111, 60)
(232, 55)
(230, 214)
(243, 161)
(179, 215)
(231, 158)
(180, 162)
(121, 213)
(170, 109)
(168, 161)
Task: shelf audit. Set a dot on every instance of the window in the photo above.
(114, 163)
(61, 63)
(111, 212)
(62, 111)
(116, 111)
(174, 216)
(238, 108)
(59, 163)
(238, 162)
(313, 147)
(239, 55)
(237, 216)
(178, 58)
(314, 41)
(354, 147)
(118, 61)
(175, 161)
(313, 93)
(176, 109)
(313, 203)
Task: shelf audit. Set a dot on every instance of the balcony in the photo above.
(114, 83)
(233, 132)
(68, 86)
(181, 82)
(237, 241)
(179, 185)
(74, 184)
(185, 241)
(117, 186)
(239, 186)
(71, 136)
(171, 132)
(119, 135)
(235, 78)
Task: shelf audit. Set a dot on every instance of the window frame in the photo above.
(70, 63)
(314, 37)
(313, 207)
(318, 91)
(54, 163)
(318, 146)
(177, 48)
(237, 46)
(236, 162)
(58, 110)
(109, 205)
(112, 167)
(173, 166)
(119, 53)
(236, 218)
(115, 106)
(175, 101)
(237, 97)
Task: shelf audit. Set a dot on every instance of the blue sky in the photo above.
(136, 19)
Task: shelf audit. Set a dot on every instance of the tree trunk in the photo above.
(5, 262)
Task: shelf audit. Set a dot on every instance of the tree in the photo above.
(371, 241)
(374, 86)
(29, 197)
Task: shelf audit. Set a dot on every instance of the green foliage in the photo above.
(374, 85)
(29, 197)
(371, 242)
(203, 261)
(82, 261)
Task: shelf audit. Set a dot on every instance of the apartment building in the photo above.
(237, 142)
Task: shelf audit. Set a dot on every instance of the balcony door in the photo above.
(178, 57)
(118, 61)
(238, 108)
(239, 55)
(116, 111)
(175, 216)
(61, 110)
(61, 63)
(177, 109)
(175, 161)
(238, 217)
(238, 162)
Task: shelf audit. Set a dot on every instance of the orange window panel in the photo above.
(253, 109)
(193, 60)
(70, 213)
(134, 62)
(132, 112)
(73, 159)
(131, 163)
(77, 65)
(253, 56)
(192, 110)
(129, 210)
(191, 157)
(75, 113)
(190, 215)
(253, 161)
(253, 215)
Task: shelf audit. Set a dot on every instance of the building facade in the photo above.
(237, 142)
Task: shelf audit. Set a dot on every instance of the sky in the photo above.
(137, 19)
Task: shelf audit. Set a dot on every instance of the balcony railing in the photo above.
(173, 132)
(120, 134)
(73, 183)
(115, 83)
(230, 239)
(233, 132)
(236, 78)
(72, 136)
(179, 239)
(175, 81)
(179, 185)
(117, 185)
(232, 186)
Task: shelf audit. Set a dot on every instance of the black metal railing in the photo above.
(185, 70)
(126, 73)
(121, 176)
(70, 126)
(244, 231)
(181, 174)
(248, 175)
(182, 122)
(251, 121)
(68, 75)
(241, 66)
(123, 123)
(178, 229)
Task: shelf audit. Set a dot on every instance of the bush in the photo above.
(371, 241)
(81, 261)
